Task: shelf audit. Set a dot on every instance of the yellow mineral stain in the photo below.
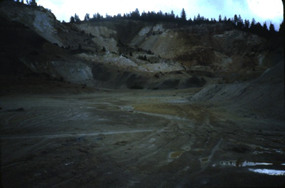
(175, 154)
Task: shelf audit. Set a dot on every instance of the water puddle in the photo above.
(271, 172)
(237, 163)
(262, 150)
(254, 167)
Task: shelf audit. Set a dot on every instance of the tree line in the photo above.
(237, 21)
(28, 2)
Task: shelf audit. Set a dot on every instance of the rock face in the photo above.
(131, 54)
(203, 45)
(102, 36)
(38, 19)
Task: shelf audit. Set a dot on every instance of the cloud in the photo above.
(212, 9)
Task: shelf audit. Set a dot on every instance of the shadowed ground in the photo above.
(135, 138)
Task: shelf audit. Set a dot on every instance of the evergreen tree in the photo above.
(235, 19)
(72, 19)
(252, 23)
(281, 29)
(183, 15)
(240, 22)
(135, 14)
(119, 15)
(197, 19)
(97, 16)
(246, 24)
(271, 28)
(76, 18)
(108, 17)
(256, 28)
(33, 3)
(220, 18)
(265, 27)
(87, 17)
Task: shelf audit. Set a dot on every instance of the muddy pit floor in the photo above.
(135, 138)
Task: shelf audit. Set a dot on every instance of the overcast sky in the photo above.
(261, 10)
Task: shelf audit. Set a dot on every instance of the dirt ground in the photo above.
(135, 138)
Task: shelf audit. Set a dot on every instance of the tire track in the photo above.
(53, 136)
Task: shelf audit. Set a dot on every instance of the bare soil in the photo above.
(70, 137)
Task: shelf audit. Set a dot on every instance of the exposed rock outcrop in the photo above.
(132, 54)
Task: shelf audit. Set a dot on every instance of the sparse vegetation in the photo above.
(183, 15)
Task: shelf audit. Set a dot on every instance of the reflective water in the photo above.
(271, 172)
(267, 171)
(237, 163)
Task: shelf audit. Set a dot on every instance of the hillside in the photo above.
(123, 102)
(135, 54)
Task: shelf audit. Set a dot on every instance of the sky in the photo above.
(261, 10)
